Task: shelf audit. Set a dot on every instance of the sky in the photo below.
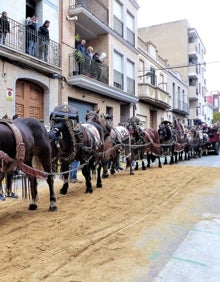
(202, 15)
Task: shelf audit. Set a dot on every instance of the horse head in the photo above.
(61, 137)
(92, 116)
(165, 132)
(134, 129)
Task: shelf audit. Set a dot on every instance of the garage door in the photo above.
(82, 108)
(29, 100)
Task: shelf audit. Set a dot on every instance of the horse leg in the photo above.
(129, 160)
(47, 165)
(105, 169)
(2, 194)
(136, 165)
(65, 167)
(34, 195)
(99, 179)
(86, 174)
(165, 160)
(176, 157)
(159, 162)
(143, 164)
(172, 159)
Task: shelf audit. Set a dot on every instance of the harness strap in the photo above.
(20, 148)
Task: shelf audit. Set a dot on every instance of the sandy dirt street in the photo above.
(125, 231)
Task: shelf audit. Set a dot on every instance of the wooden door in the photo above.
(29, 100)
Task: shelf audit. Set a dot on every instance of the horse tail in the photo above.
(37, 164)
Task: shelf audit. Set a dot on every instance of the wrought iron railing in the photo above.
(96, 7)
(19, 39)
(83, 65)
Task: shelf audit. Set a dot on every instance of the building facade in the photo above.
(28, 86)
(132, 79)
(186, 56)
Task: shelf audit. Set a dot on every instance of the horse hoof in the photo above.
(89, 191)
(32, 207)
(63, 192)
(99, 186)
(131, 173)
(105, 176)
(52, 209)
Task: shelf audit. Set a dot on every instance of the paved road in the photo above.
(197, 258)
(209, 161)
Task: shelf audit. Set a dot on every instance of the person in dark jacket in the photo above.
(81, 55)
(44, 39)
(96, 69)
(4, 27)
(31, 34)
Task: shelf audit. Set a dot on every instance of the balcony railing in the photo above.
(95, 7)
(19, 39)
(87, 67)
(154, 95)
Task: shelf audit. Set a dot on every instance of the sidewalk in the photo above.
(198, 257)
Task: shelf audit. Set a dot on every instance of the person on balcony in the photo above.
(44, 40)
(81, 55)
(96, 66)
(89, 56)
(31, 34)
(4, 27)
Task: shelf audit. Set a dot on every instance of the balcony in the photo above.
(154, 96)
(192, 51)
(93, 18)
(95, 78)
(193, 92)
(15, 50)
(193, 71)
(180, 107)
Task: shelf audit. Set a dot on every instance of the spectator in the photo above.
(4, 27)
(73, 173)
(89, 56)
(81, 55)
(96, 69)
(31, 34)
(44, 39)
(15, 116)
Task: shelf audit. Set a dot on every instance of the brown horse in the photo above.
(71, 141)
(116, 141)
(172, 140)
(22, 141)
(145, 143)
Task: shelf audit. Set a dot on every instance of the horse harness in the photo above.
(20, 147)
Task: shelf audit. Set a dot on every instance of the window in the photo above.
(118, 70)
(118, 18)
(130, 77)
(130, 29)
(141, 71)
